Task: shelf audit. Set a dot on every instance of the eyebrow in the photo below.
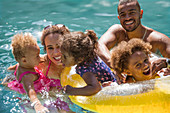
(135, 63)
(49, 45)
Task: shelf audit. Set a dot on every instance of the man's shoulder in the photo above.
(155, 35)
(116, 28)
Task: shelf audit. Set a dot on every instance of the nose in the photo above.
(57, 51)
(127, 17)
(145, 65)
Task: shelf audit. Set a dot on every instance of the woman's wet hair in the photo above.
(80, 45)
(58, 28)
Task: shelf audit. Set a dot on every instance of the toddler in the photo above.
(28, 79)
(79, 48)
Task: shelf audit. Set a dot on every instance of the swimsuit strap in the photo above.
(24, 73)
(48, 68)
(144, 34)
(16, 70)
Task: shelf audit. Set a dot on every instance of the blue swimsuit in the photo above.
(98, 67)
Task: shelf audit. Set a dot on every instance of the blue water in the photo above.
(33, 15)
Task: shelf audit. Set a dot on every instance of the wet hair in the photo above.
(52, 30)
(19, 44)
(120, 54)
(80, 45)
(121, 2)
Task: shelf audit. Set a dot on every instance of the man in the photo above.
(130, 16)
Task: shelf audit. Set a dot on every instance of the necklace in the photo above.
(142, 37)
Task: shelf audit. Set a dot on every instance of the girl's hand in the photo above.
(68, 89)
(108, 83)
(39, 108)
(120, 77)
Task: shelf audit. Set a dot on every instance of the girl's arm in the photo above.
(92, 87)
(13, 67)
(27, 81)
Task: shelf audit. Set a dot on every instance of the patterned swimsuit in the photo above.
(98, 67)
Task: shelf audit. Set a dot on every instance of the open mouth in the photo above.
(147, 72)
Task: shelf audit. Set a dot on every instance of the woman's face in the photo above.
(53, 43)
(140, 66)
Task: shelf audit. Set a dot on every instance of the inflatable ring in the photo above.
(148, 97)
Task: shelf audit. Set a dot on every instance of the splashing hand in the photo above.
(39, 108)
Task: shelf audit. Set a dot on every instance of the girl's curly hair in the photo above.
(80, 45)
(120, 54)
(19, 44)
(52, 30)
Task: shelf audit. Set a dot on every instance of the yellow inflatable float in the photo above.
(148, 97)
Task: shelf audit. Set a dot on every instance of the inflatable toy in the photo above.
(146, 97)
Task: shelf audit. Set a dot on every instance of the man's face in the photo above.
(129, 16)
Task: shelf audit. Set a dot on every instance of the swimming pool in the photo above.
(33, 15)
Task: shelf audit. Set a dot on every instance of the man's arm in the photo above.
(106, 42)
(161, 42)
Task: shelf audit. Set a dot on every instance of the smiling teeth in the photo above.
(57, 58)
(146, 70)
(128, 23)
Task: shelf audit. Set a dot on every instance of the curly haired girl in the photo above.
(132, 58)
(79, 48)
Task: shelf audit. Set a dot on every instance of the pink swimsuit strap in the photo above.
(48, 68)
(16, 70)
(22, 74)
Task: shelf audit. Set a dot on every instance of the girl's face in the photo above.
(140, 66)
(53, 43)
(32, 56)
(67, 59)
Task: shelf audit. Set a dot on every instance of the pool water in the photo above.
(33, 15)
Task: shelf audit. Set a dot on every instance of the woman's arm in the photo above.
(91, 88)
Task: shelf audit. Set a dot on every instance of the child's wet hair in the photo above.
(80, 45)
(120, 54)
(19, 44)
(52, 30)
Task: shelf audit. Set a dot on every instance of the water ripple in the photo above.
(164, 3)
(105, 14)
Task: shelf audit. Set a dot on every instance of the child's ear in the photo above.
(80, 60)
(23, 59)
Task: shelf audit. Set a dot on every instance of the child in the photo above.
(79, 48)
(26, 53)
(132, 58)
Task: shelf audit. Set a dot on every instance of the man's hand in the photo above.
(158, 64)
